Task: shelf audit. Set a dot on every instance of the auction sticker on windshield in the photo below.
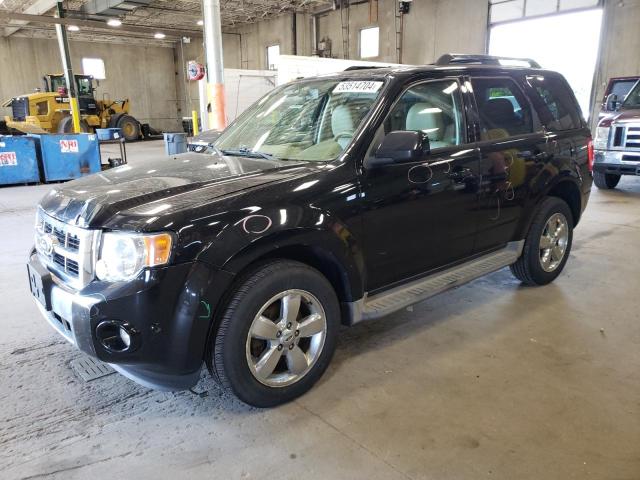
(357, 87)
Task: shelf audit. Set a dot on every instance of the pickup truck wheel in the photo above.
(277, 335)
(547, 245)
(606, 181)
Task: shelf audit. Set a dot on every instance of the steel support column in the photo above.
(215, 66)
(63, 44)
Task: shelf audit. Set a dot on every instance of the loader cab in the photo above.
(84, 87)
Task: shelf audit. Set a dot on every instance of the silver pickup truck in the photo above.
(617, 141)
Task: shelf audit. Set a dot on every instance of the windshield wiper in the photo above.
(245, 152)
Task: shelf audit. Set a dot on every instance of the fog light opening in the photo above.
(115, 337)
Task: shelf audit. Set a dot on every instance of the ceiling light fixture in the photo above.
(200, 23)
(73, 28)
(114, 22)
(159, 36)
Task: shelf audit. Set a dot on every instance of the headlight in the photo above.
(124, 255)
(602, 138)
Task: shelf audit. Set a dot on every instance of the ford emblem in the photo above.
(46, 244)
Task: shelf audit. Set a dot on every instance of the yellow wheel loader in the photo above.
(48, 110)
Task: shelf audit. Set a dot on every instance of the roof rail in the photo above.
(457, 58)
(363, 67)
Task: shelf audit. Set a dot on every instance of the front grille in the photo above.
(20, 109)
(67, 251)
(66, 239)
(632, 138)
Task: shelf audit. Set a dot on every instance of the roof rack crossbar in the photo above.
(460, 58)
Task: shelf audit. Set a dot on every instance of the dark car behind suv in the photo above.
(331, 201)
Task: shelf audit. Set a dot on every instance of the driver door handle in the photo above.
(538, 156)
(461, 175)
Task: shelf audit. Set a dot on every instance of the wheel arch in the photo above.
(564, 187)
(346, 283)
(318, 249)
(568, 191)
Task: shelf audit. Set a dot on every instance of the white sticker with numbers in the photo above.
(358, 87)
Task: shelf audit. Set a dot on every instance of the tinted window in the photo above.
(433, 108)
(504, 110)
(558, 109)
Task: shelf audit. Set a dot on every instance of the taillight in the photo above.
(590, 154)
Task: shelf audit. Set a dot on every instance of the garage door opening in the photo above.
(567, 43)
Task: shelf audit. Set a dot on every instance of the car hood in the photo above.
(206, 137)
(158, 186)
(626, 116)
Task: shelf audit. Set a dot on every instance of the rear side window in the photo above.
(558, 109)
(503, 108)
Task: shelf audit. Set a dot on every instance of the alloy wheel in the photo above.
(553, 242)
(286, 338)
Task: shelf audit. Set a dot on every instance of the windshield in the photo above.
(633, 99)
(83, 84)
(311, 121)
(57, 82)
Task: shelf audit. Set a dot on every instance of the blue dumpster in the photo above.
(175, 143)
(18, 160)
(65, 157)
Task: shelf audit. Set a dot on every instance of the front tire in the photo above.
(606, 181)
(277, 335)
(547, 245)
(66, 126)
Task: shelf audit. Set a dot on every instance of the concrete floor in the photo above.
(491, 380)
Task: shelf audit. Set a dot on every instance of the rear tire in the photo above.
(606, 181)
(277, 334)
(130, 128)
(548, 244)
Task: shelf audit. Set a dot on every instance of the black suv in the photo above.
(332, 200)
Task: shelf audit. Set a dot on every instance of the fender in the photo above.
(306, 234)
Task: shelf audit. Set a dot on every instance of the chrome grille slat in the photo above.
(71, 257)
(631, 137)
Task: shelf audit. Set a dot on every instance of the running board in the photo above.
(405, 295)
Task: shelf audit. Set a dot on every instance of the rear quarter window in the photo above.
(555, 103)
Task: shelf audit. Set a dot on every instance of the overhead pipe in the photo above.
(215, 65)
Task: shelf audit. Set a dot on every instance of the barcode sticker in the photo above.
(8, 159)
(358, 87)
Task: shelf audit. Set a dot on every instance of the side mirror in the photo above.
(612, 102)
(400, 147)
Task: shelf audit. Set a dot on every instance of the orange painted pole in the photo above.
(215, 69)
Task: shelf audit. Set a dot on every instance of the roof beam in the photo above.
(94, 24)
(38, 8)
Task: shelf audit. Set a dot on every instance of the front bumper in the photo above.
(617, 162)
(168, 313)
